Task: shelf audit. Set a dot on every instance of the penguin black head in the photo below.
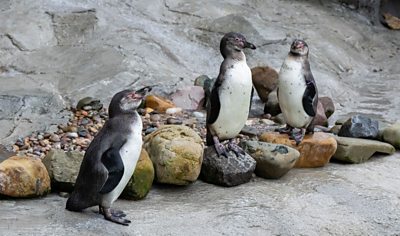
(299, 48)
(232, 42)
(127, 101)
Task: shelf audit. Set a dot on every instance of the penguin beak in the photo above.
(249, 45)
(144, 90)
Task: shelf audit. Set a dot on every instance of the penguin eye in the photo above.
(237, 39)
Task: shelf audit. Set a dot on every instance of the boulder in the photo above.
(91, 102)
(176, 152)
(190, 98)
(226, 171)
(320, 117)
(360, 126)
(63, 168)
(158, 103)
(142, 179)
(23, 177)
(265, 80)
(272, 106)
(328, 106)
(273, 160)
(315, 150)
(391, 135)
(357, 150)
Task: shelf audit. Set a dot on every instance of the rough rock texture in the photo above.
(315, 150)
(63, 168)
(226, 171)
(272, 106)
(176, 152)
(328, 105)
(158, 103)
(190, 98)
(23, 177)
(356, 150)
(320, 118)
(391, 135)
(142, 179)
(265, 80)
(273, 160)
(360, 126)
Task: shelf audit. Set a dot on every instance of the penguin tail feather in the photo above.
(74, 204)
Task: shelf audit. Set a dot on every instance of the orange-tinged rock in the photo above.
(158, 103)
(23, 177)
(315, 150)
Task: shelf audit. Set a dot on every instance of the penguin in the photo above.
(111, 158)
(229, 102)
(297, 91)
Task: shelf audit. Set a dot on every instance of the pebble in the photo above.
(72, 135)
(54, 138)
(155, 117)
(173, 110)
(198, 114)
(267, 122)
(84, 121)
(150, 130)
(174, 121)
(87, 108)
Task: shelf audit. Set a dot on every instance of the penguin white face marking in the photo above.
(130, 102)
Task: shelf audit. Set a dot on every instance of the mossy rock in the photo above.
(142, 179)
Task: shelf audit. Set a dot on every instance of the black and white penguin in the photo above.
(111, 158)
(229, 102)
(297, 91)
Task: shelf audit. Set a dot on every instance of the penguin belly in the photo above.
(130, 153)
(234, 96)
(292, 86)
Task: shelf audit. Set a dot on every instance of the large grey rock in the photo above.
(273, 160)
(226, 171)
(360, 126)
(63, 168)
(357, 150)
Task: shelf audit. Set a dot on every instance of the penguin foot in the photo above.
(108, 215)
(219, 148)
(115, 213)
(285, 130)
(235, 148)
(297, 137)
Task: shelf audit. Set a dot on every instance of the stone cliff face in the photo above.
(52, 53)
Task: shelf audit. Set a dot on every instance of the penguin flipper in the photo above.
(310, 97)
(112, 160)
(214, 105)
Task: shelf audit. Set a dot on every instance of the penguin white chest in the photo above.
(234, 97)
(130, 153)
(292, 86)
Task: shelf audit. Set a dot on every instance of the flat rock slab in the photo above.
(226, 171)
(273, 160)
(357, 150)
(315, 150)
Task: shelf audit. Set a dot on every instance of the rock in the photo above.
(272, 106)
(63, 168)
(142, 179)
(173, 110)
(205, 82)
(327, 104)
(176, 152)
(72, 135)
(360, 126)
(174, 121)
(357, 150)
(189, 98)
(315, 150)
(55, 138)
(335, 129)
(93, 103)
(279, 119)
(5, 153)
(199, 115)
(391, 135)
(265, 80)
(273, 160)
(226, 171)
(158, 103)
(320, 117)
(23, 177)
(391, 21)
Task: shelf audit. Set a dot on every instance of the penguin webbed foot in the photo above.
(285, 130)
(297, 136)
(235, 148)
(115, 216)
(219, 147)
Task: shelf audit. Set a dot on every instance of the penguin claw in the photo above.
(220, 150)
(297, 137)
(115, 216)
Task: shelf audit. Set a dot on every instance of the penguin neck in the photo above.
(237, 56)
(118, 112)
